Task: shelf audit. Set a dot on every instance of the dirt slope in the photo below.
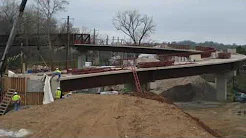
(104, 115)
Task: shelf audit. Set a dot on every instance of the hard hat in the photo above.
(58, 88)
(57, 68)
(15, 92)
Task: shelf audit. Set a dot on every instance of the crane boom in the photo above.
(12, 34)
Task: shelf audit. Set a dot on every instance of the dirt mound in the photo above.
(170, 83)
(105, 115)
(160, 98)
(180, 93)
(187, 89)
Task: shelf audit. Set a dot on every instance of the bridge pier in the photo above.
(221, 84)
(81, 61)
(54, 84)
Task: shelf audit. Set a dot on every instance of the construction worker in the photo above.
(16, 99)
(58, 93)
(58, 73)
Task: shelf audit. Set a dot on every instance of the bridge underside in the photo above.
(144, 76)
(131, 49)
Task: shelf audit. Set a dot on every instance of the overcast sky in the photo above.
(197, 20)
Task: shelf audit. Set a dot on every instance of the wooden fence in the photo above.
(20, 85)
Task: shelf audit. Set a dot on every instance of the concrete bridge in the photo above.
(223, 68)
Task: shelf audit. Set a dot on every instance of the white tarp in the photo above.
(109, 93)
(147, 56)
(48, 97)
(17, 134)
(11, 74)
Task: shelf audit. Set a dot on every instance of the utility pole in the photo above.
(107, 40)
(38, 24)
(22, 69)
(68, 41)
(112, 53)
(68, 54)
(94, 36)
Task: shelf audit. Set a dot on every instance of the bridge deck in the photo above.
(234, 58)
(133, 49)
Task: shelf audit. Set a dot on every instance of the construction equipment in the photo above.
(6, 101)
(3, 64)
(12, 36)
(137, 82)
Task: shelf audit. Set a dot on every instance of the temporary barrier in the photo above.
(89, 70)
(20, 85)
(207, 51)
(155, 64)
(224, 55)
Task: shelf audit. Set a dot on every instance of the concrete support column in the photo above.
(145, 86)
(96, 58)
(152, 85)
(54, 85)
(131, 87)
(81, 61)
(221, 86)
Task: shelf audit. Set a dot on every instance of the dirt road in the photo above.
(104, 115)
(227, 119)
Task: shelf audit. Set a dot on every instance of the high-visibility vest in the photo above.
(58, 71)
(16, 98)
(58, 94)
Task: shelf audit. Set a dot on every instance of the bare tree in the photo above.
(135, 25)
(63, 28)
(8, 13)
(49, 8)
(85, 30)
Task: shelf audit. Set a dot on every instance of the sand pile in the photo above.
(104, 115)
(187, 89)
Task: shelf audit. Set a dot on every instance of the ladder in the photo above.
(137, 82)
(6, 101)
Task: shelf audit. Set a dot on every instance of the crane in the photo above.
(12, 36)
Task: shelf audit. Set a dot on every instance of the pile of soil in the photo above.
(105, 115)
(187, 89)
